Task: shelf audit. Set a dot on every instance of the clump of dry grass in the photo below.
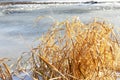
(72, 50)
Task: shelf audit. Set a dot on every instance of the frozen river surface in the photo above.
(19, 28)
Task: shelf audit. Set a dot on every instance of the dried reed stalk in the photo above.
(5, 72)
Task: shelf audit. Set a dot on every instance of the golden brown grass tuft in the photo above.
(72, 50)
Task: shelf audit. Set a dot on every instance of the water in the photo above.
(19, 28)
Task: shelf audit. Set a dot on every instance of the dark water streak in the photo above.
(46, 2)
(16, 3)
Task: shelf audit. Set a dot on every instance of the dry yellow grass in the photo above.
(5, 70)
(72, 50)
